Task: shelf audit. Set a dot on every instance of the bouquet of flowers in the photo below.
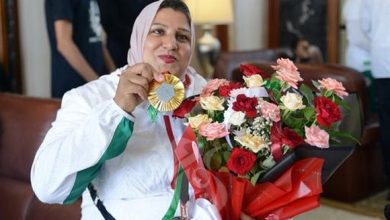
(242, 130)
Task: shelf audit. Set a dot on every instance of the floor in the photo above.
(328, 212)
(367, 209)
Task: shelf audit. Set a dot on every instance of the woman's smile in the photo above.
(167, 59)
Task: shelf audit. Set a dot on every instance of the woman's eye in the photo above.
(183, 38)
(158, 31)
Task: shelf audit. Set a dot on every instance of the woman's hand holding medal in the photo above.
(139, 82)
(133, 85)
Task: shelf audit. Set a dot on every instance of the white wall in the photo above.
(249, 30)
(34, 44)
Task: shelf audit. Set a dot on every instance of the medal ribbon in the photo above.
(178, 173)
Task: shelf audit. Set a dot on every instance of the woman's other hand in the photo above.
(133, 85)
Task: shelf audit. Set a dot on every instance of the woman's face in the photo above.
(168, 44)
(302, 50)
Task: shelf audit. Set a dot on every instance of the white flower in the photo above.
(212, 103)
(237, 118)
(252, 142)
(253, 81)
(292, 101)
(198, 120)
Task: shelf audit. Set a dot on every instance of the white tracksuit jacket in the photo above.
(128, 159)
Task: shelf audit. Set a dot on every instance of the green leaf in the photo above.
(201, 144)
(209, 158)
(328, 93)
(307, 93)
(315, 84)
(343, 135)
(219, 116)
(273, 84)
(256, 177)
(309, 113)
(226, 155)
(293, 122)
(343, 104)
(216, 161)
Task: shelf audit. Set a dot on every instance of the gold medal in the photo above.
(167, 95)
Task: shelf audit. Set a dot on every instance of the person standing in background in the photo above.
(78, 54)
(357, 51)
(357, 54)
(118, 17)
(375, 18)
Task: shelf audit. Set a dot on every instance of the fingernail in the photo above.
(160, 77)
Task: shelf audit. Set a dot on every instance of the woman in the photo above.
(102, 133)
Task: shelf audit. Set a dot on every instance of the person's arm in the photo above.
(67, 47)
(108, 61)
(88, 131)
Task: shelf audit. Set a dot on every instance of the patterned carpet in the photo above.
(367, 209)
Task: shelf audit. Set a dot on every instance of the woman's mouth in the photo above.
(167, 58)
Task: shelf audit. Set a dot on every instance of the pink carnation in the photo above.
(213, 130)
(270, 110)
(287, 72)
(333, 85)
(213, 85)
(315, 136)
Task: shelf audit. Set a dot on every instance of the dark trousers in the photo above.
(383, 95)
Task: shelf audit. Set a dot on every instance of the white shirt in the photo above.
(375, 23)
(135, 182)
(357, 51)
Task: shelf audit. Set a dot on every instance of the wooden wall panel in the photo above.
(223, 36)
(3, 34)
(9, 46)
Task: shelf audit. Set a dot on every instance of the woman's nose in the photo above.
(170, 42)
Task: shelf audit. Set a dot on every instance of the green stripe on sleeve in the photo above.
(118, 144)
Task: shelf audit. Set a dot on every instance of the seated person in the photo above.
(103, 134)
(304, 52)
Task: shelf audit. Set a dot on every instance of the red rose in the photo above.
(280, 137)
(224, 91)
(241, 161)
(291, 138)
(249, 70)
(246, 105)
(327, 111)
(186, 106)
